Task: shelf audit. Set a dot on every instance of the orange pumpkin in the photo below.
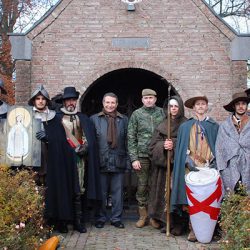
(50, 244)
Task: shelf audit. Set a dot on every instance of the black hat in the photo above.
(242, 96)
(2, 88)
(248, 91)
(70, 92)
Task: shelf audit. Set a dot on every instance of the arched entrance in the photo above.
(127, 84)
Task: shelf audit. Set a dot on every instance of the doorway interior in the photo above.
(127, 84)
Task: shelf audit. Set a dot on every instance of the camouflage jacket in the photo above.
(141, 126)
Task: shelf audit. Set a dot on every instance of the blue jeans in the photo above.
(112, 182)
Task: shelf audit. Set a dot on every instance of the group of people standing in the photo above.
(84, 159)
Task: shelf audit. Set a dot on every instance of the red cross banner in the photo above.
(204, 194)
(205, 205)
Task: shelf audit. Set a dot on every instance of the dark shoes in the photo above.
(117, 224)
(99, 224)
(80, 228)
(191, 236)
(62, 227)
(177, 230)
(163, 230)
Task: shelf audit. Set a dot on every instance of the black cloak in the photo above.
(62, 178)
(92, 180)
(3, 110)
(158, 156)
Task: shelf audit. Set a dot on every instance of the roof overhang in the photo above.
(240, 48)
(21, 47)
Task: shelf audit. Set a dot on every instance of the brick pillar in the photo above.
(239, 69)
(23, 81)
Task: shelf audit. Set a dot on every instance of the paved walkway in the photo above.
(130, 238)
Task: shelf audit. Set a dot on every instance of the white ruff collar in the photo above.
(65, 111)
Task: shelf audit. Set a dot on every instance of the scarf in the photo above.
(240, 123)
(112, 130)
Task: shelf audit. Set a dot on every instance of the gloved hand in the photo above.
(192, 168)
(41, 135)
(81, 150)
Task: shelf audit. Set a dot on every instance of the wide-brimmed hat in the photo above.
(241, 96)
(189, 103)
(40, 90)
(2, 88)
(70, 92)
(248, 91)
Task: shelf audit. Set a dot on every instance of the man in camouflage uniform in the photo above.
(141, 126)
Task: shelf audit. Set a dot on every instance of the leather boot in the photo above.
(62, 226)
(143, 217)
(154, 223)
(78, 225)
(178, 225)
(191, 236)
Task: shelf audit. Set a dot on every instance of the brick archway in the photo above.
(127, 84)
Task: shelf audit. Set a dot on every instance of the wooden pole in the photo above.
(168, 175)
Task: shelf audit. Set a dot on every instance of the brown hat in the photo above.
(248, 91)
(189, 103)
(148, 92)
(242, 96)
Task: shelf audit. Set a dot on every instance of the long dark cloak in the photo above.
(62, 178)
(178, 195)
(92, 180)
(158, 156)
(3, 110)
(3, 116)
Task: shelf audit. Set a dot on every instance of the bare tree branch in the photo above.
(228, 9)
(10, 13)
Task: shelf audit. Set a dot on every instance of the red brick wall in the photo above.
(189, 47)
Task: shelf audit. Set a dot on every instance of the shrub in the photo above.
(21, 210)
(235, 221)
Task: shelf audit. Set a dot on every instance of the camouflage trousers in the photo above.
(143, 175)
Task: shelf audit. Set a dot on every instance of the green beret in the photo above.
(146, 92)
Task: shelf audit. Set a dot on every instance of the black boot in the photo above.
(62, 226)
(78, 224)
(179, 224)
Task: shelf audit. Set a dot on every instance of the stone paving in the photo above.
(130, 238)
